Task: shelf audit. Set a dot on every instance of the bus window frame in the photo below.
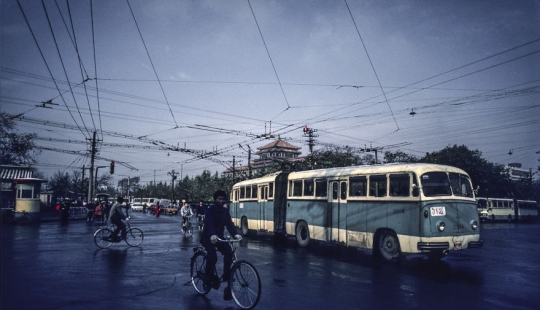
(378, 179)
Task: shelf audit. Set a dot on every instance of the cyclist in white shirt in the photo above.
(185, 212)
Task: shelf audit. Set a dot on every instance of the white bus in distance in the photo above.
(393, 209)
(502, 209)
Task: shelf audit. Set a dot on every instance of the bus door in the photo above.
(338, 210)
(263, 204)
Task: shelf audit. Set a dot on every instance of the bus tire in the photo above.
(302, 234)
(244, 226)
(389, 248)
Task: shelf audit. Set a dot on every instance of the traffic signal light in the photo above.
(112, 167)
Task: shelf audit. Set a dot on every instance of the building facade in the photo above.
(270, 156)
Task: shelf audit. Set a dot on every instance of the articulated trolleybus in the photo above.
(393, 209)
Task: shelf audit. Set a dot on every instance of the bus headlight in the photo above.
(474, 224)
(441, 226)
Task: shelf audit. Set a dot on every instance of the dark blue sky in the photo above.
(469, 69)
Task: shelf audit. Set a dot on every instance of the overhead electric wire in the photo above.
(81, 65)
(371, 62)
(62, 62)
(47, 65)
(151, 62)
(269, 56)
(95, 67)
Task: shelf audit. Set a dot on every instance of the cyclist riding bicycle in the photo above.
(200, 210)
(116, 216)
(186, 212)
(217, 217)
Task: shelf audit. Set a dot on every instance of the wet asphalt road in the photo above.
(55, 266)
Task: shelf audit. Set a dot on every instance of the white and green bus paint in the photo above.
(503, 209)
(393, 209)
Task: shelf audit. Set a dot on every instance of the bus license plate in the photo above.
(438, 211)
(457, 246)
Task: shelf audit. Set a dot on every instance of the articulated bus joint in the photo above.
(433, 246)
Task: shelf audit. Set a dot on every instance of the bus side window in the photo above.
(377, 185)
(357, 186)
(271, 190)
(343, 191)
(296, 188)
(242, 192)
(400, 185)
(321, 189)
(254, 191)
(308, 187)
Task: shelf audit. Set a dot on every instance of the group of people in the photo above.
(100, 211)
(216, 219)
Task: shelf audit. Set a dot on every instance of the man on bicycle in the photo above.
(201, 210)
(185, 212)
(217, 217)
(116, 216)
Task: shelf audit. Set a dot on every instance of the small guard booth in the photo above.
(28, 197)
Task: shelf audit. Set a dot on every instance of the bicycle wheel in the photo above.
(134, 237)
(198, 265)
(245, 285)
(98, 238)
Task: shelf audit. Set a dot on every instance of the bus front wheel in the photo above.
(302, 234)
(389, 248)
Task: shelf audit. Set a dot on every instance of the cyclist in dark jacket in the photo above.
(216, 218)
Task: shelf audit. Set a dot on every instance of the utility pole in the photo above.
(249, 159)
(310, 133)
(92, 157)
(375, 150)
(173, 175)
(233, 168)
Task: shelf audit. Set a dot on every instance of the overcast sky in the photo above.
(210, 75)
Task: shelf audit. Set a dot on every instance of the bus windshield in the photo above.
(443, 184)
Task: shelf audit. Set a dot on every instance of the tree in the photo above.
(16, 149)
(331, 157)
(60, 185)
(129, 185)
(399, 157)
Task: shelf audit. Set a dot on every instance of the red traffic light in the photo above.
(306, 129)
(112, 167)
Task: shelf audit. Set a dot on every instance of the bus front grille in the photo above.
(433, 245)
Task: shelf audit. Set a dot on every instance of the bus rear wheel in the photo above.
(389, 248)
(302, 234)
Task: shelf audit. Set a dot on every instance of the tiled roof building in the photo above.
(269, 154)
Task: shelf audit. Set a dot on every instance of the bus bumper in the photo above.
(438, 246)
(476, 244)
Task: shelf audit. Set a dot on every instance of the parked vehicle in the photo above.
(137, 204)
(164, 203)
(170, 210)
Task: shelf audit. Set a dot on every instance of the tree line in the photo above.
(492, 180)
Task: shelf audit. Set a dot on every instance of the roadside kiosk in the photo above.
(28, 202)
